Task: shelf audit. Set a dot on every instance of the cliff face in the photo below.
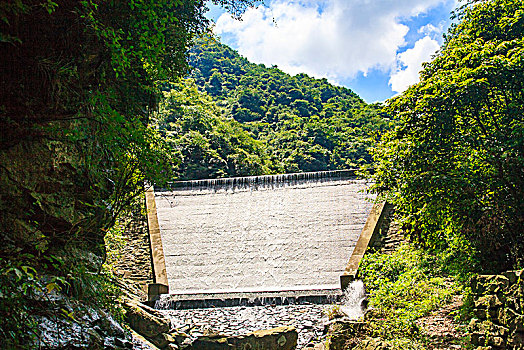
(47, 199)
(51, 200)
(51, 247)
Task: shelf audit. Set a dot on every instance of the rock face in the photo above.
(499, 311)
(84, 328)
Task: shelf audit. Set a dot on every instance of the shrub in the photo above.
(403, 286)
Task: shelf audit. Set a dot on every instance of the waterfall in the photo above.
(261, 181)
(210, 300)
(354, 300)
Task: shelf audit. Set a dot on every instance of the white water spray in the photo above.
(249, 183)
(353, 302)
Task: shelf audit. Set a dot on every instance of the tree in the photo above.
(454, 165)
(306, 124)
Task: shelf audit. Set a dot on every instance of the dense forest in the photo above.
(299, 123)
(203, 142)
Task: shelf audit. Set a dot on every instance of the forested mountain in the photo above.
(306, 124)
(204, 143)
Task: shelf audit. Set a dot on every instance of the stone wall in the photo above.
(389, 236)
(134, 265)
(499, 308)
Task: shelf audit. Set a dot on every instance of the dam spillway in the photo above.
(260, 234)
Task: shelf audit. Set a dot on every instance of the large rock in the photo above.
(145, 320)
(281, 338)
(484, 284)
(342, 332)
(373, 344)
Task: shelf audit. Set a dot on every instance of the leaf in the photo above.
(51, 287)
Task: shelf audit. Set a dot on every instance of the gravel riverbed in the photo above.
(237, 320)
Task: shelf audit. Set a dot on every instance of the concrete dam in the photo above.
(260, 234)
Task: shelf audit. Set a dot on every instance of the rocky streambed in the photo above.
(308, 320)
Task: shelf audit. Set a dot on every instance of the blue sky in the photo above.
(374, 47)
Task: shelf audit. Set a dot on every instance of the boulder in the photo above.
(162, 340)
(478, 283)
(284, 338)
(341, 332)
(512, 276)
(488, 302)
(280, 338)
(145, 320)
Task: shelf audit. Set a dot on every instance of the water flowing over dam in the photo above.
(261, 233)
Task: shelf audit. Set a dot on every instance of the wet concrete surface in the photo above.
(281, 238)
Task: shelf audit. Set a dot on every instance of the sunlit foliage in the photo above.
(454, 166)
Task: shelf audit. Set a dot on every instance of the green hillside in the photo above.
(205, 143)
(306, 124)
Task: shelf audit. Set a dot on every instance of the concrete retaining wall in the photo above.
(366, 238)
(160, 285)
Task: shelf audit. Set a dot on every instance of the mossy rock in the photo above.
(373, 344)
(487, 327)
(488, 302)
(499, 284)
(342, 331)
(512, 276)
(280, 338)
(146, 321)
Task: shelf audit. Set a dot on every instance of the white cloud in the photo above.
(432, 30)
(335, 39)
(429, 29)
(410, 63)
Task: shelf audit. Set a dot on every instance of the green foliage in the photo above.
(114, 242)
(98, 289)
(45, 286)
(205, 143)
(306, 124)
(454, 165)
(403, 286)
(18, 282)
